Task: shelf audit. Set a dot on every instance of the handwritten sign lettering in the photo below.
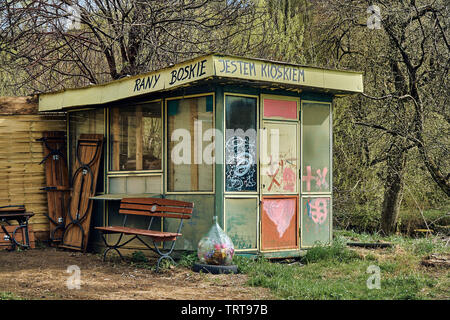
(146, 82)
(188, 72)
(237, 66)
(227, 67)
(260, 70)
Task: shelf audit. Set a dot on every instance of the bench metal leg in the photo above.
(162, 255)
(118, 245)
(115, 246)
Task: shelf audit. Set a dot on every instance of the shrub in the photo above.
(338, 251)
(138, 256)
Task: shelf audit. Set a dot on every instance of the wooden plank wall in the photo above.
(21, 175)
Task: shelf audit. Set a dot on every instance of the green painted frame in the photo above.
(316, 100)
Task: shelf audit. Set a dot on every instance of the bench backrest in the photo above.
(157, 207)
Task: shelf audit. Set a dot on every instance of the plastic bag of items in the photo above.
(216, 248)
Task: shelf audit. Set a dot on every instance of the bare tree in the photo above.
(403, 48)
(72, 43)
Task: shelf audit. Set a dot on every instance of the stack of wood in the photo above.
(437, 260)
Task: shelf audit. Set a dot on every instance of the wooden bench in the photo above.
(149, 207)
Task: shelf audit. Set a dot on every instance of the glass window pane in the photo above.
(316, 147)
(279, 223)
(241, 217)
(280, 109)
(240, 144)
(190, 145)
(316, 221)
(279, 165)
(136, 137)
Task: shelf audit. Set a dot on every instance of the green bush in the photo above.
(188, 259)
(138, 257)
(336, 252)
(359, 220)
(364, 220)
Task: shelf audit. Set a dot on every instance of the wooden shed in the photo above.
(21, 175)
(248, 140)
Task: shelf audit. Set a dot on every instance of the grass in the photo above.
(338, 272)
(341, 272)
(8, 296)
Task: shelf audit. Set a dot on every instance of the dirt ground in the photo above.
(42, 274)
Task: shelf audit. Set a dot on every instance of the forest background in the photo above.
(391, 144)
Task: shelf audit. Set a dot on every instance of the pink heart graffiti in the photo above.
(280, 211)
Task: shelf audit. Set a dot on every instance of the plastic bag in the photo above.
(216, 248)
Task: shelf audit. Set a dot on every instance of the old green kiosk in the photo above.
(248, 140)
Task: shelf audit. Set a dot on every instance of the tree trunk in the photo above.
(396, 162)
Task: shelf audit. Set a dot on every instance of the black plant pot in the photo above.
(215, 269)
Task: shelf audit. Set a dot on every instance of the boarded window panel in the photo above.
(280, 109)
(188, 169)
(316, 147)
(135, 185)
(279, 169)
(316, 221)
(117, 185)
(195, 228)
(241, 222)
(240, 144)
(153, 184)
(279, 223)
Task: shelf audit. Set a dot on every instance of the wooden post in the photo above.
(170, 164)
(194, 166)
(139, 138)
(115, 136)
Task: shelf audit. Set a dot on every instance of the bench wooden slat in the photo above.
(156, 208)
(159, 235)
(158, 201)
(154, 214)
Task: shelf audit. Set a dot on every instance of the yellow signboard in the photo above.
(201, 68)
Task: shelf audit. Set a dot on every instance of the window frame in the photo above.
(258, 220)
(281, 98)
(166, 145)
(330, 132)
(109, 147)
(244, 193)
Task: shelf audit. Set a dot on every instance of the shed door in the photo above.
(280, 185)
